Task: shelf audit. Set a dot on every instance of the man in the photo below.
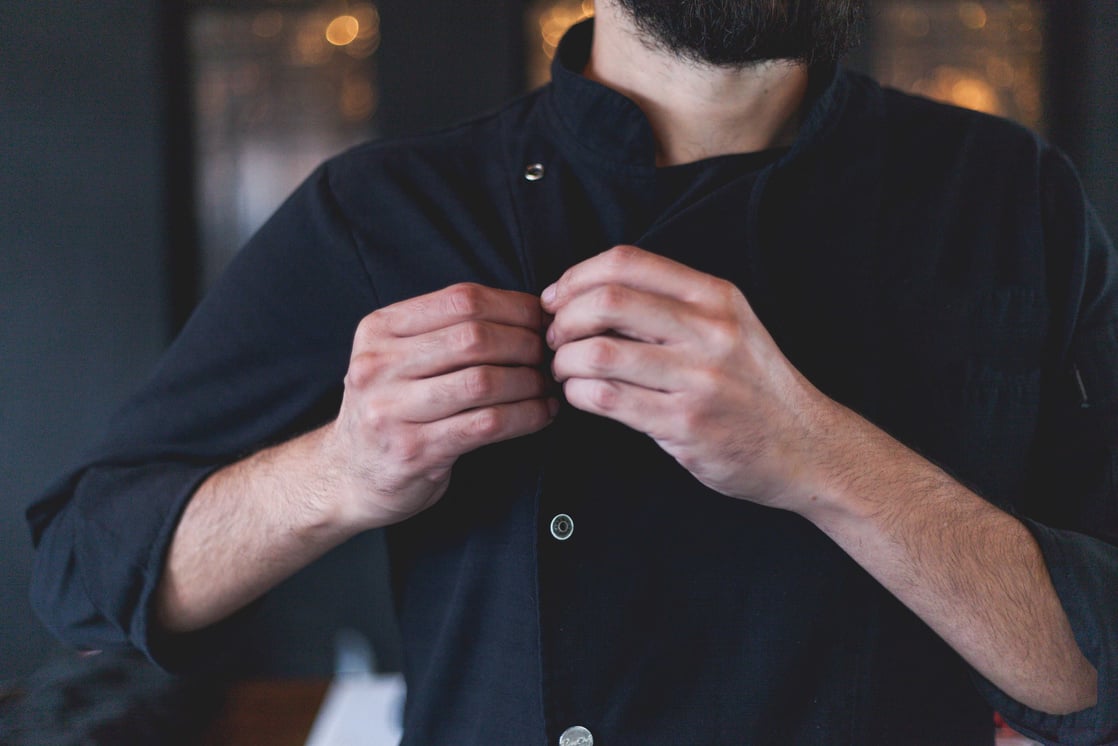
(716, 539)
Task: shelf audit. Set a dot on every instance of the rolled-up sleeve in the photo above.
(1071, 500)
(261, 360)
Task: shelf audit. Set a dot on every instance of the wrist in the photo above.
(854, 460)
(349, 499)
(871, 478)
(335, 502)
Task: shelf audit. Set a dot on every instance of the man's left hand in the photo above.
(680, 356)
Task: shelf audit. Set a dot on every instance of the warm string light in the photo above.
(342, 30)
(316, 35)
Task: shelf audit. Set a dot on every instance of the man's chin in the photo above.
(737, 33)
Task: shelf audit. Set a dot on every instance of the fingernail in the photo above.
(553, 407)
(548, 294)
(551, 335)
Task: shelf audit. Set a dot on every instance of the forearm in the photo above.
(972, 572)
(247, 528)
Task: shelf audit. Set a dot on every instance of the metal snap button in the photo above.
(534, 172)
(562, 526)
(576, 736)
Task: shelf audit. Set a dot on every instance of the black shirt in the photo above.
(937, 270)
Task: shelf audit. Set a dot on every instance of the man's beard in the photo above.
(734, 33)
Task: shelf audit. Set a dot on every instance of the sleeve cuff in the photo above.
(1084, 572)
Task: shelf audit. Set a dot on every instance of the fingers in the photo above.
(460, 303)
(617, 308)
(470, 430)
(467, 344)
(459, 327)
(636, 269)
(617, 359)
(483, 386)
(647, 411)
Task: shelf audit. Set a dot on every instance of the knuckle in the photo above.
(374, 420)
(619, 256)
(722, 336)
(471, 337)
(487, 422)
(479, 383)
(437, 475)
(603, 395)
(609, 298)
(725, 291)
(464, 299)
(363, 370)
(602, 355)
(369, 329)
(714, 292)
(408, 448)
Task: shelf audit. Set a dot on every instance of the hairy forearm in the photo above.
(972, 572)
(248, 527)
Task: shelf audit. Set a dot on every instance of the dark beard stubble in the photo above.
(735, 33)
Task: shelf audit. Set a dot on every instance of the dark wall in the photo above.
(82, 313)
(1083, 96)
(1098, 160)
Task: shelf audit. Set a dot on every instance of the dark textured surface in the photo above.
(106, 700)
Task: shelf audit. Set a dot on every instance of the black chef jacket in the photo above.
(937, 270)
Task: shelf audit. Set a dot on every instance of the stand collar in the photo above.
(609, 127)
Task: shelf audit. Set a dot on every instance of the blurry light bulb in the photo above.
(976, 94)
(973, 15)
(342, 30)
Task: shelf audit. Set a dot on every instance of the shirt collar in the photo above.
(609, 127)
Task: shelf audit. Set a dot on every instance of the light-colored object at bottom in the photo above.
(576, 736)
(360, 710)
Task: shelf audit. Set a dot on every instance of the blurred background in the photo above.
(143, 142)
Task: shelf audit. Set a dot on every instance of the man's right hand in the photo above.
(432, 378)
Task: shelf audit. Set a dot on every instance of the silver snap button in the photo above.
(576, 736)
(534, 172)
(562, 527)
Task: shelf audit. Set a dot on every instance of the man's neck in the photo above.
(696, 111)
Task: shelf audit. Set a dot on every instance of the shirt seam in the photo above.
(336, 211)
